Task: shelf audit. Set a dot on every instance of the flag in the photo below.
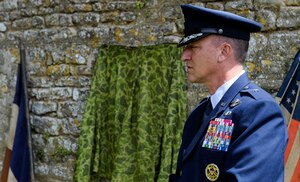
(17, 162)
(288, 97)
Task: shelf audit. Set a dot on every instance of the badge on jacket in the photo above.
(212, 172)
(218, 134)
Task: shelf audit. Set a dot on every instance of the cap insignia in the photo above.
(190, 37)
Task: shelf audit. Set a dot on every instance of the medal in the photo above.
(218, 134)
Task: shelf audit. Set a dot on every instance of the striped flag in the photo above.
(18, 156)
(288, 97)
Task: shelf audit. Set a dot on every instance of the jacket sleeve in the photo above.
(257, 152)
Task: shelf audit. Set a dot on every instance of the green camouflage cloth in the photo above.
(134, 116)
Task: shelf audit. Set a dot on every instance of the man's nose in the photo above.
(185, 56)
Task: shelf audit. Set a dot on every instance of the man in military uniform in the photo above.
(238, 133)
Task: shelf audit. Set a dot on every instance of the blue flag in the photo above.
(289, 101)
(17, 166)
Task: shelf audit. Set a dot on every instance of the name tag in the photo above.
(218, 134)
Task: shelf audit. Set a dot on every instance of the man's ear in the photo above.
(226, 52)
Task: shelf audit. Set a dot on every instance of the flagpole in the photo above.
(24, 82)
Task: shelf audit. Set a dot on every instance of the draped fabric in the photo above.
(134, 116)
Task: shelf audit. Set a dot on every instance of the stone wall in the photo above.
(62, 38)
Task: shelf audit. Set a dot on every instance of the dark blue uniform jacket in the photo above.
(258, 140)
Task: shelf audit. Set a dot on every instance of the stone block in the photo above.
(80, 70)
(240, 5)
(80, 55)
(28, 12)
(52, 20)
(69, 109)
(80, 94)
(114, 5)
(171, 39)
(289, 17)
(283, 45)
(83, 1)
(4, 16)
(57, 57)
(55, 126)
(96, 35)
(268, 3)
(53, 93)
(51, 143)
(36, 69)
(58, 20)
(8, 5)
(120, 35)
(3, 27)
(22, 24)
(58, 70)
(65, 8)
(70, 81)
(43, 82)
(41, 107)
(72, 126)
(14, 15)
(111, 17)
(267, 18)
(169, 14)
(168, 29)
(2, 37)
(86, 19)
(14, 36)
(60, 35)
(258, 46)
(63, 171)
(215, 5)
(48, 125)
(76, 59)
(45, 11)
(35, 3)
(31, 36)
(27, 23)
(83, 7)
(127, 17)
(292, 2)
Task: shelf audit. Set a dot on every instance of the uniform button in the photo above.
(246, 87)
(223, 104)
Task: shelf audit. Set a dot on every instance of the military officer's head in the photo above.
(215, 44)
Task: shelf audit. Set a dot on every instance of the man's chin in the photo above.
(192, 80)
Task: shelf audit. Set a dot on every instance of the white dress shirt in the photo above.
(217, 96)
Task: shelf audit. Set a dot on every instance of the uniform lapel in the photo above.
(221, 106)
(231, 93)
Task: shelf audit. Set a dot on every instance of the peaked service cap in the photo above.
(200, 22)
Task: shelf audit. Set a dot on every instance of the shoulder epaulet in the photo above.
(254, 92)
